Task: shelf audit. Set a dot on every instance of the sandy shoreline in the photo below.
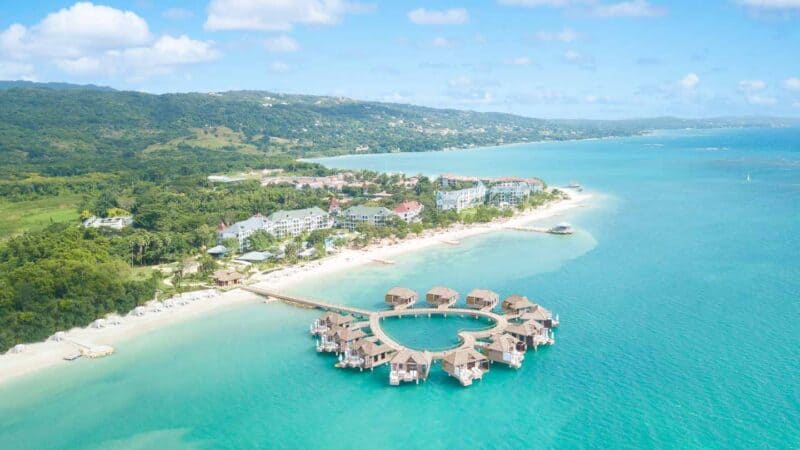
(41, 355)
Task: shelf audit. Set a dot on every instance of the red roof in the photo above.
(334, 201)
(408, 206)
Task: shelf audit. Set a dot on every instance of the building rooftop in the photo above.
(401, 292)
(408, 206)
(296, 214)
(362, 210)
(517, 302)
(443, 291)
(463, 356)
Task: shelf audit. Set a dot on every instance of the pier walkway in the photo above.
(308, 301)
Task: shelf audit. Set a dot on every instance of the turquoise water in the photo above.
(432, 334)
(679, 301)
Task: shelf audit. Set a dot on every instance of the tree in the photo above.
(260, 240)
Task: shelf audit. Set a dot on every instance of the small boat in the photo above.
(748, 177)
(575, 185)
(562, 228)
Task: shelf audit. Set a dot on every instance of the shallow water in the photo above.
(679, 301)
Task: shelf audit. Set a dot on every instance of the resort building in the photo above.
(298, 221)
(343, 337)
(465, 365)
(409, 210)
(225, 278)
(461, 199)
(375, 215)
(505, 349)
(441, 297)
(400, 297)
(241, 231)
(409, 365)
(530, 333)
(217, 251)
(482, 299)
(333, 206)
(367, 353)
(115, 223)
(509, 193)
(541, 315)
(517, 304)
(255, 257)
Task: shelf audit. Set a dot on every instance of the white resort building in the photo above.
(461, 199)
(298, 221)
(115, 223)
(241, 231)
(375, 215)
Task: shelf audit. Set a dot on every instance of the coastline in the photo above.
(41, 355)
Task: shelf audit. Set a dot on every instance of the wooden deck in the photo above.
(308, 301)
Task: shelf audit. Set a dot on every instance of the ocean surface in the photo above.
(679, 301)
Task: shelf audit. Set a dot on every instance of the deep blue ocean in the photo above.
(679, 300)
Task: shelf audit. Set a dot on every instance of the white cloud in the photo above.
(461, 81)
(520, 61)
(690, 81)
(454, 16)
(792, 84)
(441, 42)
(752, 85)
(580, 59)
(771, 4)
(90, 39)
(565, 35)
(10, 70)
(275, 15)
(177, 14)
(633, 8)
(282, 44)
(761, 100)
(279, 67)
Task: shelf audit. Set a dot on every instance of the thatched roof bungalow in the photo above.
(400, 297)
(330, 320)
(482, 299)
(505, 349)
(409, 365)
(541, 315)
(441, 297)
(517, 304)
(369, 353)
(465, 365)
(531, 333)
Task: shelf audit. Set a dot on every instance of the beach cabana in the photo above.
(59, 336)
(225, 278)
(531, 333)
(541, 315)
(409, 365)
(505, 349)
(99, 323)
(441, 297)
(19, 348)
(517, 304)
(482, 299)
(400, 297)
(465, 365)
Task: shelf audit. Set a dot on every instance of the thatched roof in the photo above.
(335, 318)
(502, 343)
(401, 292)
(483, 294)
(443, 292)
(538, 313)
(227, 275)
(524, 329)
(518, 302)
(462, 357)
(405, 356)
(346, 334)
(371, 347)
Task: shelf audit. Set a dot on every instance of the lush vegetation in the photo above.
(62, 277)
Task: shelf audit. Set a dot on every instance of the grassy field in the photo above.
(18, 217)
(214, 138)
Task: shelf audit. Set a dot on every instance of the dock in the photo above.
(350, 342)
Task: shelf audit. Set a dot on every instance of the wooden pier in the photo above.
(308, 301)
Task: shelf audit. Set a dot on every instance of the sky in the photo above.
(540, 58)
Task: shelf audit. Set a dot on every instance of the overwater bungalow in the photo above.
(505, 349)
(531, 333)
(367, 353)
(441, 297)
(541, 315)
(465, 365)
(409, 365)
(517, 304)
(337, 339)
(400, 297)
(330, 320)
(482, 299)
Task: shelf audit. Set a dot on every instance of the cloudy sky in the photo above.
(544, 58)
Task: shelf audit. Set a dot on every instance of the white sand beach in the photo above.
(37, 356)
